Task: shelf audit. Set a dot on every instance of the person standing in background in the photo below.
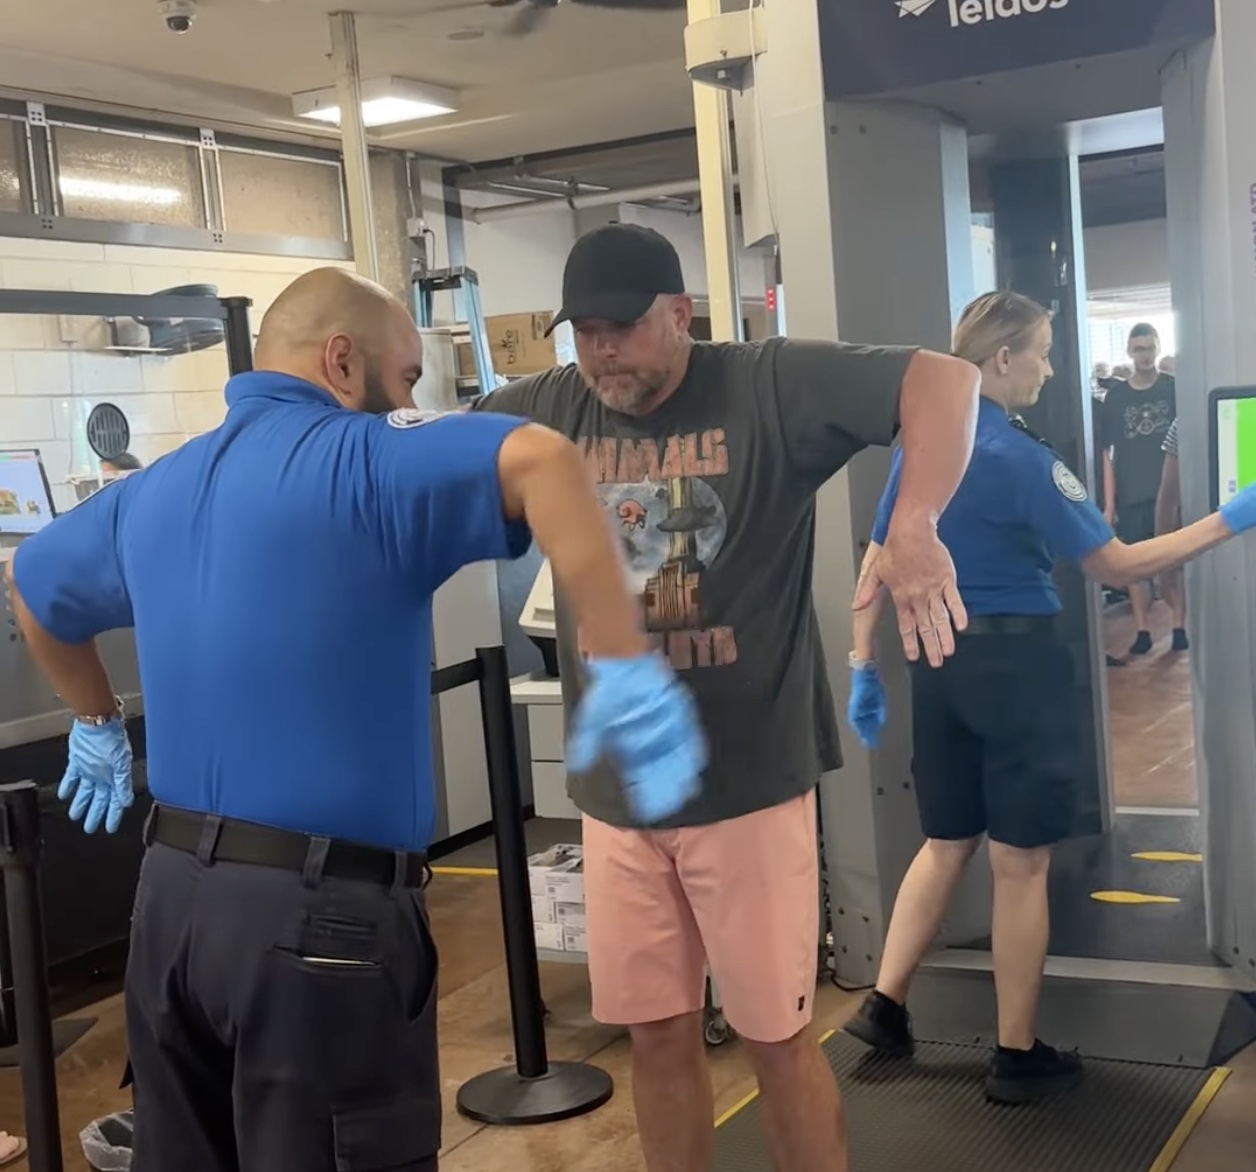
(1136, 417)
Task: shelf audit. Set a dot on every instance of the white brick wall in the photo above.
(54, 370)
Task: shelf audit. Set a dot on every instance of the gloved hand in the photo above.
(866, 708)
(1239, 514)
(637, 715)
(98, 775)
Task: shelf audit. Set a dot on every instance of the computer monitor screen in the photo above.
(25, 499)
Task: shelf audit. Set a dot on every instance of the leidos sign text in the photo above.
(979, 11)
(875, 47)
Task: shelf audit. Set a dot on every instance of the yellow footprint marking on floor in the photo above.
(1167, 857)
(1131, 897)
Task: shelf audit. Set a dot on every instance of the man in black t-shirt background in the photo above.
(1136, 417)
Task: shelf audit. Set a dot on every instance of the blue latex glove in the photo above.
(1239, 514)
(637, 715)
(866, 708)
(97, 781)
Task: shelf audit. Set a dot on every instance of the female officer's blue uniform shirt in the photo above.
(279, 574)
(1017, 511)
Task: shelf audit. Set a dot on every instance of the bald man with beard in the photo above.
(278, 573)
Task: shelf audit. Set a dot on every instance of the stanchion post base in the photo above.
(505, 1099)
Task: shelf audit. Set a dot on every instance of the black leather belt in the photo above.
(267, 846)
(1010, 624)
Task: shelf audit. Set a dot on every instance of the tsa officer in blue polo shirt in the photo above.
(279, 574)
(994, 732)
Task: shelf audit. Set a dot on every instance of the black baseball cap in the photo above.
(615, 272)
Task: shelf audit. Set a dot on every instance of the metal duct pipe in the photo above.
(599, 199)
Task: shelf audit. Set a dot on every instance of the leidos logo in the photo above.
(979, 11)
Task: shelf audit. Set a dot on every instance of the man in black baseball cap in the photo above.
(615, 274)
(707, 457)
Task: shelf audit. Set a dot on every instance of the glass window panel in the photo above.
(130, 180)
(13, 171)
(263, 195)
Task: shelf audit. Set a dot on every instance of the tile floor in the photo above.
(1149, 705)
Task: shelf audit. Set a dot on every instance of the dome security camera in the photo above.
(178, 14)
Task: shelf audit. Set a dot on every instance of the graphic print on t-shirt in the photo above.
(671, 525)
(1147, 418)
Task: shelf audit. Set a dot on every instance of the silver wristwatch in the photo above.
(100, 721)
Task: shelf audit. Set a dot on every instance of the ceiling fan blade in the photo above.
(628, 5)
(527, 20)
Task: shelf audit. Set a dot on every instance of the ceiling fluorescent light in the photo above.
(385, 101)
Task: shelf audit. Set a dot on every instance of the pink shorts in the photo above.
(742, 895)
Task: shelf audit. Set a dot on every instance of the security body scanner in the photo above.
(868, 137)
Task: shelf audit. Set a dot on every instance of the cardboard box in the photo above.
(544, 911)
(543, 867)
(570, 915)
(465, 358)
(549, 936)
(518, 345)
(573, 940)
(565, 884)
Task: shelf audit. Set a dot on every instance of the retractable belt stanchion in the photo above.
(534, 1090)
(19, 856)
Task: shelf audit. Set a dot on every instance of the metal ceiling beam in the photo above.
(344, 53)
(600, 199)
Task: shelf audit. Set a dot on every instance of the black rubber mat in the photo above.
(930, 1112)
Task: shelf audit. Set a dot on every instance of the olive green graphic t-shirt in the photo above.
(713, 499)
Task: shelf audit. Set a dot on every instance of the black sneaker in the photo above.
(1180, 641)
(1021, 1076)
(1141, 644)
(884, 1025)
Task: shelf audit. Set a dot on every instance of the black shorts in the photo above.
(1137, 522)
(995, 738)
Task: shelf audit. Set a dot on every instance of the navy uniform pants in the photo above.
(995, 736)
(279, 1022)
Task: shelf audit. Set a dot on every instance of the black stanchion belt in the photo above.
(266, 846)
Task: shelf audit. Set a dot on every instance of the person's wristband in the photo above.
(100, 720)
(857, 664)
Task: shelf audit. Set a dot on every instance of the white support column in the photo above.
(344, 53)
(715, 176)
(873, 220)
(1209, 93)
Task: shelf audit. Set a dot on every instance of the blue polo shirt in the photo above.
(1018, 510)
(279, 573)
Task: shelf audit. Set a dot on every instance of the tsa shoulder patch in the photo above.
(405, 418)
(1070, 487)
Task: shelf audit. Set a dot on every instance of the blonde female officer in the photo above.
(994, 741)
